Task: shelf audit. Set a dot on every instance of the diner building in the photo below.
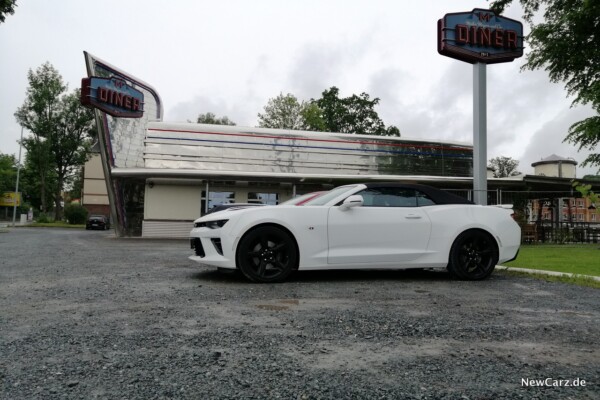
(160, 176)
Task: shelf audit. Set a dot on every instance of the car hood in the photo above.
(231, 212)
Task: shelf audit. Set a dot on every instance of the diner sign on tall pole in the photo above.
(480, 37)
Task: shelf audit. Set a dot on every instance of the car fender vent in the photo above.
(217, 243)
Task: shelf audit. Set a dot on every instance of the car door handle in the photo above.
(412, 216)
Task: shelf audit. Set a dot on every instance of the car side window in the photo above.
(423, 200)
(389, 197)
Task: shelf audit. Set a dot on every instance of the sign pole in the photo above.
(480, 134)
(480, 37)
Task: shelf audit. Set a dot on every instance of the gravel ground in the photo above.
(86, 316)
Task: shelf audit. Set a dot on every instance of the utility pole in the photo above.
(18, 176)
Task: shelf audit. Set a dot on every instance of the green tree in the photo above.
(71, 145)
(587, 192)
(504, 167)
(30, 183)
(8, 172)
(60, 129)
(284, 112)
(354, 114)
(313, 118)
(567, 45)
(7, 7)
(210, 118)
(40, 115)
(75, 184)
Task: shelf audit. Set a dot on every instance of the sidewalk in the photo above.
(542, 272)
(8, 224)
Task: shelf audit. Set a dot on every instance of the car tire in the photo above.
(473, 256)
(267, 254)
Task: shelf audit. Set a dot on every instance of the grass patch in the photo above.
(572, 280)
(51, 225)
(580, 259)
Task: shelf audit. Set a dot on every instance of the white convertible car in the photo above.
(373, 225)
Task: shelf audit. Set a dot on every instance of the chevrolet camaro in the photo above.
(360, 226)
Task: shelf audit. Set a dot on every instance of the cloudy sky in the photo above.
(230, 56)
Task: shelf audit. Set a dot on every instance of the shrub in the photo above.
(43, 219)
(75, 214)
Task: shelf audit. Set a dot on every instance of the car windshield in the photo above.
(301, 199)
(328, 196)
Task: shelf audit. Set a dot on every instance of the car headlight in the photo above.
(211, 224)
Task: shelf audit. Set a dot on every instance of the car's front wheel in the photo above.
(473, 255)
(267, 254)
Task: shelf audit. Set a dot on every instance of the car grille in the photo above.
(196, 244)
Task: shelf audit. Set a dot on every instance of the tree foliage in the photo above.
(330, 113)
(504, 167)
(32, 178)
(354, 114)
(8, 172)
(567, 45)
(284, 112)
(587, 192)
(7, 7)
(71, 145)
(591, 177)
(60, 129)
(39, 114)
(210, 118)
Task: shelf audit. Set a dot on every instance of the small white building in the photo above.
(556, 167)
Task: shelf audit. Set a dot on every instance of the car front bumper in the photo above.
(211, 249)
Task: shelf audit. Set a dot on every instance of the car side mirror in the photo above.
(355, 200)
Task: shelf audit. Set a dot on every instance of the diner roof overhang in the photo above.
(520, 183)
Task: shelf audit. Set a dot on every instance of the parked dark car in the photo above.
(97, 222)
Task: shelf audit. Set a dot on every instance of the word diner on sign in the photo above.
(480, 36)
(113, 96)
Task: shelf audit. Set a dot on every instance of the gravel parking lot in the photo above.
(85, 316)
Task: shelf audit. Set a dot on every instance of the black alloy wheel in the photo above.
(473, 256)
(267, 254)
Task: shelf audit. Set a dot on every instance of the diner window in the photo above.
(271, 199)
(216, 199)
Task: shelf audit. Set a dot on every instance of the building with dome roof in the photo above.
(556, 166)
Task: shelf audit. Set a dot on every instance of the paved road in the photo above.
(84, 315)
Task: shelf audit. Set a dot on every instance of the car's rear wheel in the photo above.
(267, 254)
(473, 255)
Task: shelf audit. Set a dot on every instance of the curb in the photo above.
(542, 272)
